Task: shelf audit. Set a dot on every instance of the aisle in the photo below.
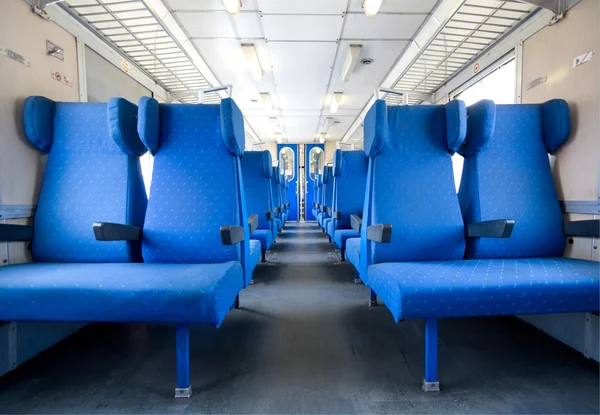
(305, 341)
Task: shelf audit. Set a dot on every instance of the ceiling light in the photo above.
(266, 100)
(372, 7)
(279, 137)
(336, 99)
(350, 62)
(252, 60)
(322, 138)
(232, 6)
(327, 124)
(274, 123)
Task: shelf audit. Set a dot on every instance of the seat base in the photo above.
(430, 386)
(183, 392)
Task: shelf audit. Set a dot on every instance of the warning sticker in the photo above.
(581, 59)
(62, 78)
(476, 67)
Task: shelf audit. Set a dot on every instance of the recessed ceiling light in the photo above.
(372, 7)
(232, 6)
(336, 99)
(350, 61)
(252, 60)
(266, 100)
(327, 124)
(322, 138)
(274, 123)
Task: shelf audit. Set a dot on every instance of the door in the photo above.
(315, 157)
(288, 166)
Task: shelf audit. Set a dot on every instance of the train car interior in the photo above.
(300, 206)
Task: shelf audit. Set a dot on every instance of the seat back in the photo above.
(319, 197)
(196, 183)
(328, 186)
(275, 190)
(282, 189)
(411, 181)
(92, 174)
(257, 171)
(506, 175)
(350, 177)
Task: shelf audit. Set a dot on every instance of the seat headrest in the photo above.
(456, 124)
(375, 128)
(38, 120)
(232, 126)
(480, 126)
(557, 123)
(337, 162)
(147, 126)
(319, 180)
(122, 124)
(267, 163)
(276, 174)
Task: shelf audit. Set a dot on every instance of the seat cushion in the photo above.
(486, 287)
(329, 229)
(254, 259)
(326, 223)
(265, 236)
(279, 224)
(341, 235)
(134, 292)
(353, 251)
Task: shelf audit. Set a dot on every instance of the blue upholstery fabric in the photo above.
(122, 125)
(329, 228)
(275, 190)
(257, 190)
(480, 126)
(342, 235)
(38, 122)
(147, 126)
(254, 258)
(327, 222)
(87, 179)
(413, 188)
(353, 251)
(265, 236)
(375, 126)
(232, 126)
(178, 293)
(456, 124)
(195, 189)
(328, 187)
(557, 123)
(350, 181)
(511, 179)
(486, 287)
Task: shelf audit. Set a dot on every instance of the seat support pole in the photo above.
(356, 277)
(182, 339)
(430, 383)
(372, 298)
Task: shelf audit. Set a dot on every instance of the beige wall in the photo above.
(550, 53)
(25, 33)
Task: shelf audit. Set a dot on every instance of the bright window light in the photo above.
(372, 7)
(232, 6)
(252, 61)
(336, 100)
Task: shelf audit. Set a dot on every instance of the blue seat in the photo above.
(413, 238)
(326, 197)
(276, 197)
(257, 171)
(284, 195)
(317, 195)
(349, 172)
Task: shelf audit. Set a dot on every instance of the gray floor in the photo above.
(305, 341)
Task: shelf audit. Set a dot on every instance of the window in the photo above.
(500, 86)
(286, 163)
(316, 161)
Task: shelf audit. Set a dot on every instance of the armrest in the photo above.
(589, 228)
(269, 215)
(276, 210)
(355, 222)
(380, 233)
(337, 214)
(231, 235)
(500, 228)
(15, 233)
(253, 222)
(107, 231)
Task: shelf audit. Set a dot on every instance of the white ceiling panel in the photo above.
(383, 26)
(303, 7)
(301, 71)
(206, 5)
(207, 24)
(302, 27)
(397, 6)
(301, 129)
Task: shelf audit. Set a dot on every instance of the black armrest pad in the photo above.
(500, 228)
(269, 215)
(15, 233)
(337, 214)
(253, 222)
(380, 233)
(231, 235)
(589, 228)
(107, 231)
(355, 222)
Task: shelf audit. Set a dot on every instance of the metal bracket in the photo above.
(177, 95)
(430, 386)
(39, 6)
(183, 392)
(381, 92)
(55, 50)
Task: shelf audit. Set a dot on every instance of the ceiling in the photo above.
(188, 45)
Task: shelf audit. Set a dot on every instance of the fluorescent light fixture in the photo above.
(232, 6)
(279, 137)
(336, 99)
(327, 124)
(350, 62)
(274, 123)
(372, 7)
(266, 100)
(252, 61)
(322, 138)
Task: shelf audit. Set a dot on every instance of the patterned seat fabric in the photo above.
(92, 174)
(350, 177)
(276, 198)
(257, 171)
(326, 196)
(317, 198)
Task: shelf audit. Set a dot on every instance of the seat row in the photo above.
(495, 248)
(104, 252)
